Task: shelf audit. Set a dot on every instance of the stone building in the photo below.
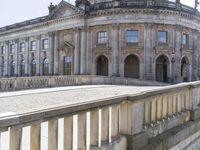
(144, 39)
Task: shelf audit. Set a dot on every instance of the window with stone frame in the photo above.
(22, 47)
(132, 36)
(185, 39)
(33, 45)
(45, 44)
(102, 37)
(3, 50)
(67, 70)
(12, 48)
(162, 37)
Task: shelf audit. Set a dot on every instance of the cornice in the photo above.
(99, 13)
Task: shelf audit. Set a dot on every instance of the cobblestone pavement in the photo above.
(29, 100)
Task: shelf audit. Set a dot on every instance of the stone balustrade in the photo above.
(20, 83)
(105, 123)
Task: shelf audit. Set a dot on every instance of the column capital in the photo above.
(116, 26)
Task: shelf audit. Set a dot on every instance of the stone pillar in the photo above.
(83, 50)
(38, 57)
(51, 53)
(16, 57)
(77, 51)
(115, 50)
(56, 54)
(7, 58)
(26, 57)
(176, 73)
(89, 52)
(195, 45)
(149, 70)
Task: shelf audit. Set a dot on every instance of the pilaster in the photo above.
(77, 51)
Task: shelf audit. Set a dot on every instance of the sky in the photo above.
(14, 11)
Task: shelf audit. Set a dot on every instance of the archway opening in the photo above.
(132, 67)
(102, 66)
(185, 69)
(162, 64)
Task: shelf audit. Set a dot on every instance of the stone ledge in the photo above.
(174, 136)
(118, 144)
(137, 141)
(195, 114)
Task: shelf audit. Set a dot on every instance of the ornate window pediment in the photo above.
(64, 9)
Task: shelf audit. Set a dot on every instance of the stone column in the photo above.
(7, 58)
(176, 73)
(148, 52)
(51, 53)
(195, 45)
(16, 57)
(115, 50)
(26, 57)
(38, 55)
(89, 52)
(83, 50)
(56, 54)
(77, 51)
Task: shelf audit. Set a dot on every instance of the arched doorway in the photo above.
(45, 67)
(162, 64)
(33, 67)
(132, 67)
(185, 69)
(102, 66)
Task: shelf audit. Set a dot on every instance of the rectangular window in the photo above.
(185, 39)
(12, 48)
(45, 44)
(3, 50)
(68, 65)
(162, 36)
(22, 47)
(102, 37)
(132, 36)
(33, 45)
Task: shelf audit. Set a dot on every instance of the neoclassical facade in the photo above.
(144, 39)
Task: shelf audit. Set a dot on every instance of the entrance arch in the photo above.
(162, 67)
(132, 67)
(102, 65)
(185, 69)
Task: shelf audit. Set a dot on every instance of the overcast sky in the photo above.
(13, 11)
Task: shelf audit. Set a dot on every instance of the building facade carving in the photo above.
(147, 40)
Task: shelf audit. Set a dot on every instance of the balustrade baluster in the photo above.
(115, 121)
(35, 137)
(53, 135)
(82, 131)
(68, 132)
(105, 124)
(94, 127)
(15, 138)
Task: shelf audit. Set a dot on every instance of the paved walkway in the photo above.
(29, 100)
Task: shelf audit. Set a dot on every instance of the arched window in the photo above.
(162, 66)
(45, 67)
(33, 67)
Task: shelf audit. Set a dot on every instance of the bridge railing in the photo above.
(20, 83)
(95, 123)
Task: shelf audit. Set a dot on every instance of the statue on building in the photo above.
(196, 4)
(51, 7)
